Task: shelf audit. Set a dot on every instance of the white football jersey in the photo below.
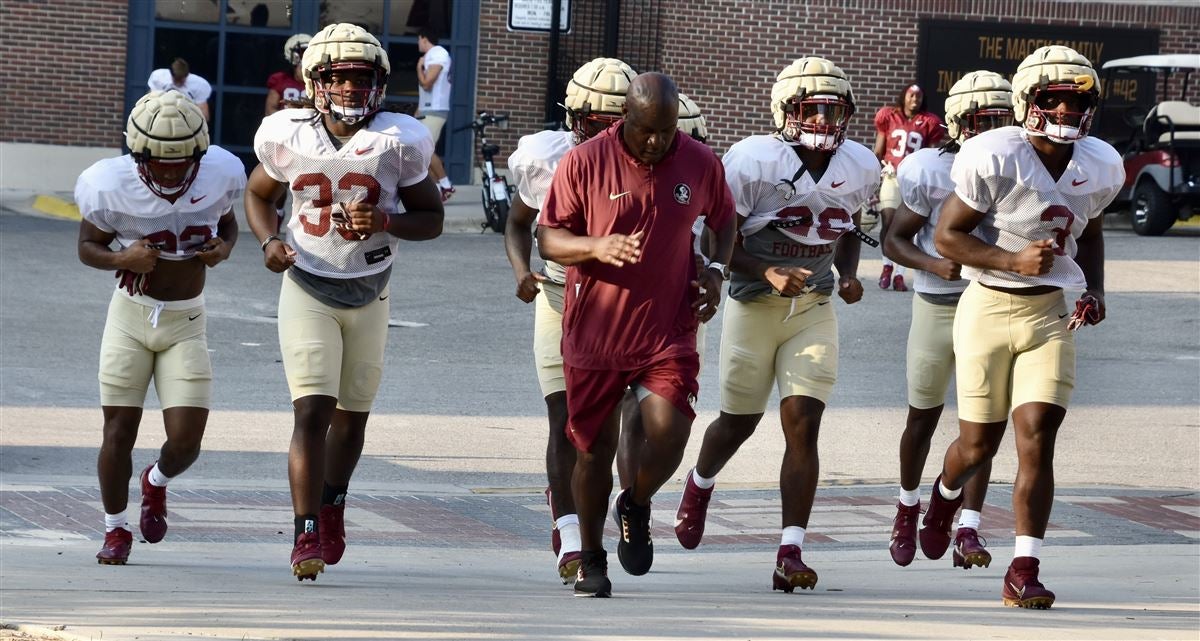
(790, 219)
(391, 152)
(112, 196)
(999, 173)
(761, 172)
(532, 167)
(924, 178)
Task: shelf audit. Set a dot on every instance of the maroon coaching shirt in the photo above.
(621, 318)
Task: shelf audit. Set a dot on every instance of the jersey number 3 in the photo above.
(1060, 233)
(324, 199)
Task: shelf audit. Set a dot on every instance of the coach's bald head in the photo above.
(651, 116)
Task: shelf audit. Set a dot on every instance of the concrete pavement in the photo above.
(447, 525)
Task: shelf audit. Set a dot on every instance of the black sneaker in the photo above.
(635, 550)
(592, 577)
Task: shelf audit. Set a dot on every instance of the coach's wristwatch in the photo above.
(721, 269)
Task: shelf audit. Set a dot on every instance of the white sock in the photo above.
(969, 518)
(949, 495)
(568, 531)
(909, 498)
(701, 482)
(114, 521)
(793, 535)
(1027, 546)
(444, 182)
(887, 261)
(157, 478)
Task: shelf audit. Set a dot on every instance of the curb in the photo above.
(55, 632)
(56, 207)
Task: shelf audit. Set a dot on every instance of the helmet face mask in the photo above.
(1061, 125)
(1049, 79)
(350, 91)
(982, 120)
(816, 122)
(339, 50)
(812, 103)
(167, 136)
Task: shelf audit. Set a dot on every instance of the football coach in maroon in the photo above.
(619, 216)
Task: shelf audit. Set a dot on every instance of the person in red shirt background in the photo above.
(619, 216)
(284, 88)
(900, 129)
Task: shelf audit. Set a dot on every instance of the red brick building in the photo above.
(725, 53)
(93, 55)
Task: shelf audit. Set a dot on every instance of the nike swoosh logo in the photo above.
(1076, 183)
(1062, 316)
(359, 152)
(678, 522)
(384, 297)
(836, 185)
(616, 196)
(822, 303)
(1020, 593)
(196, 200)
(192, 318)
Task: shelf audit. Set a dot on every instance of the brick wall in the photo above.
(70, 91)
(725, 53)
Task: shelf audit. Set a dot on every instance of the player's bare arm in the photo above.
(880, 147)
(898, 245)
(564, 247)
(788, 281)
(518, 244)
(1090, 258)
(717, 245)
(427, 75)
(261, 193)
(845, 259)
(95, 250)
(219, 247)
(954, 240)
(422, 218)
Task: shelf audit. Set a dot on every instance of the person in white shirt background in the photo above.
(433, 76)
(180, 78)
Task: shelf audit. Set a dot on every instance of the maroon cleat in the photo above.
(306, 557)
(568, 566)
(904, 533)
(116, 547)
(1022, 588)
(555, 536)
(935, 528)
(885, 277)
(693, 509)
(898, 283)
(970, 550)
(331, 531)
(790, 571)
(154, 509)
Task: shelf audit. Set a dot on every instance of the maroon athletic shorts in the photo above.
(593, 394)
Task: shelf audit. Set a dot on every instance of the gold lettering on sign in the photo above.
(947, 78)
(1019, 48)
(991, 47)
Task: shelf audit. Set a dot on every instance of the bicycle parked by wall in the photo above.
(497, 195)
